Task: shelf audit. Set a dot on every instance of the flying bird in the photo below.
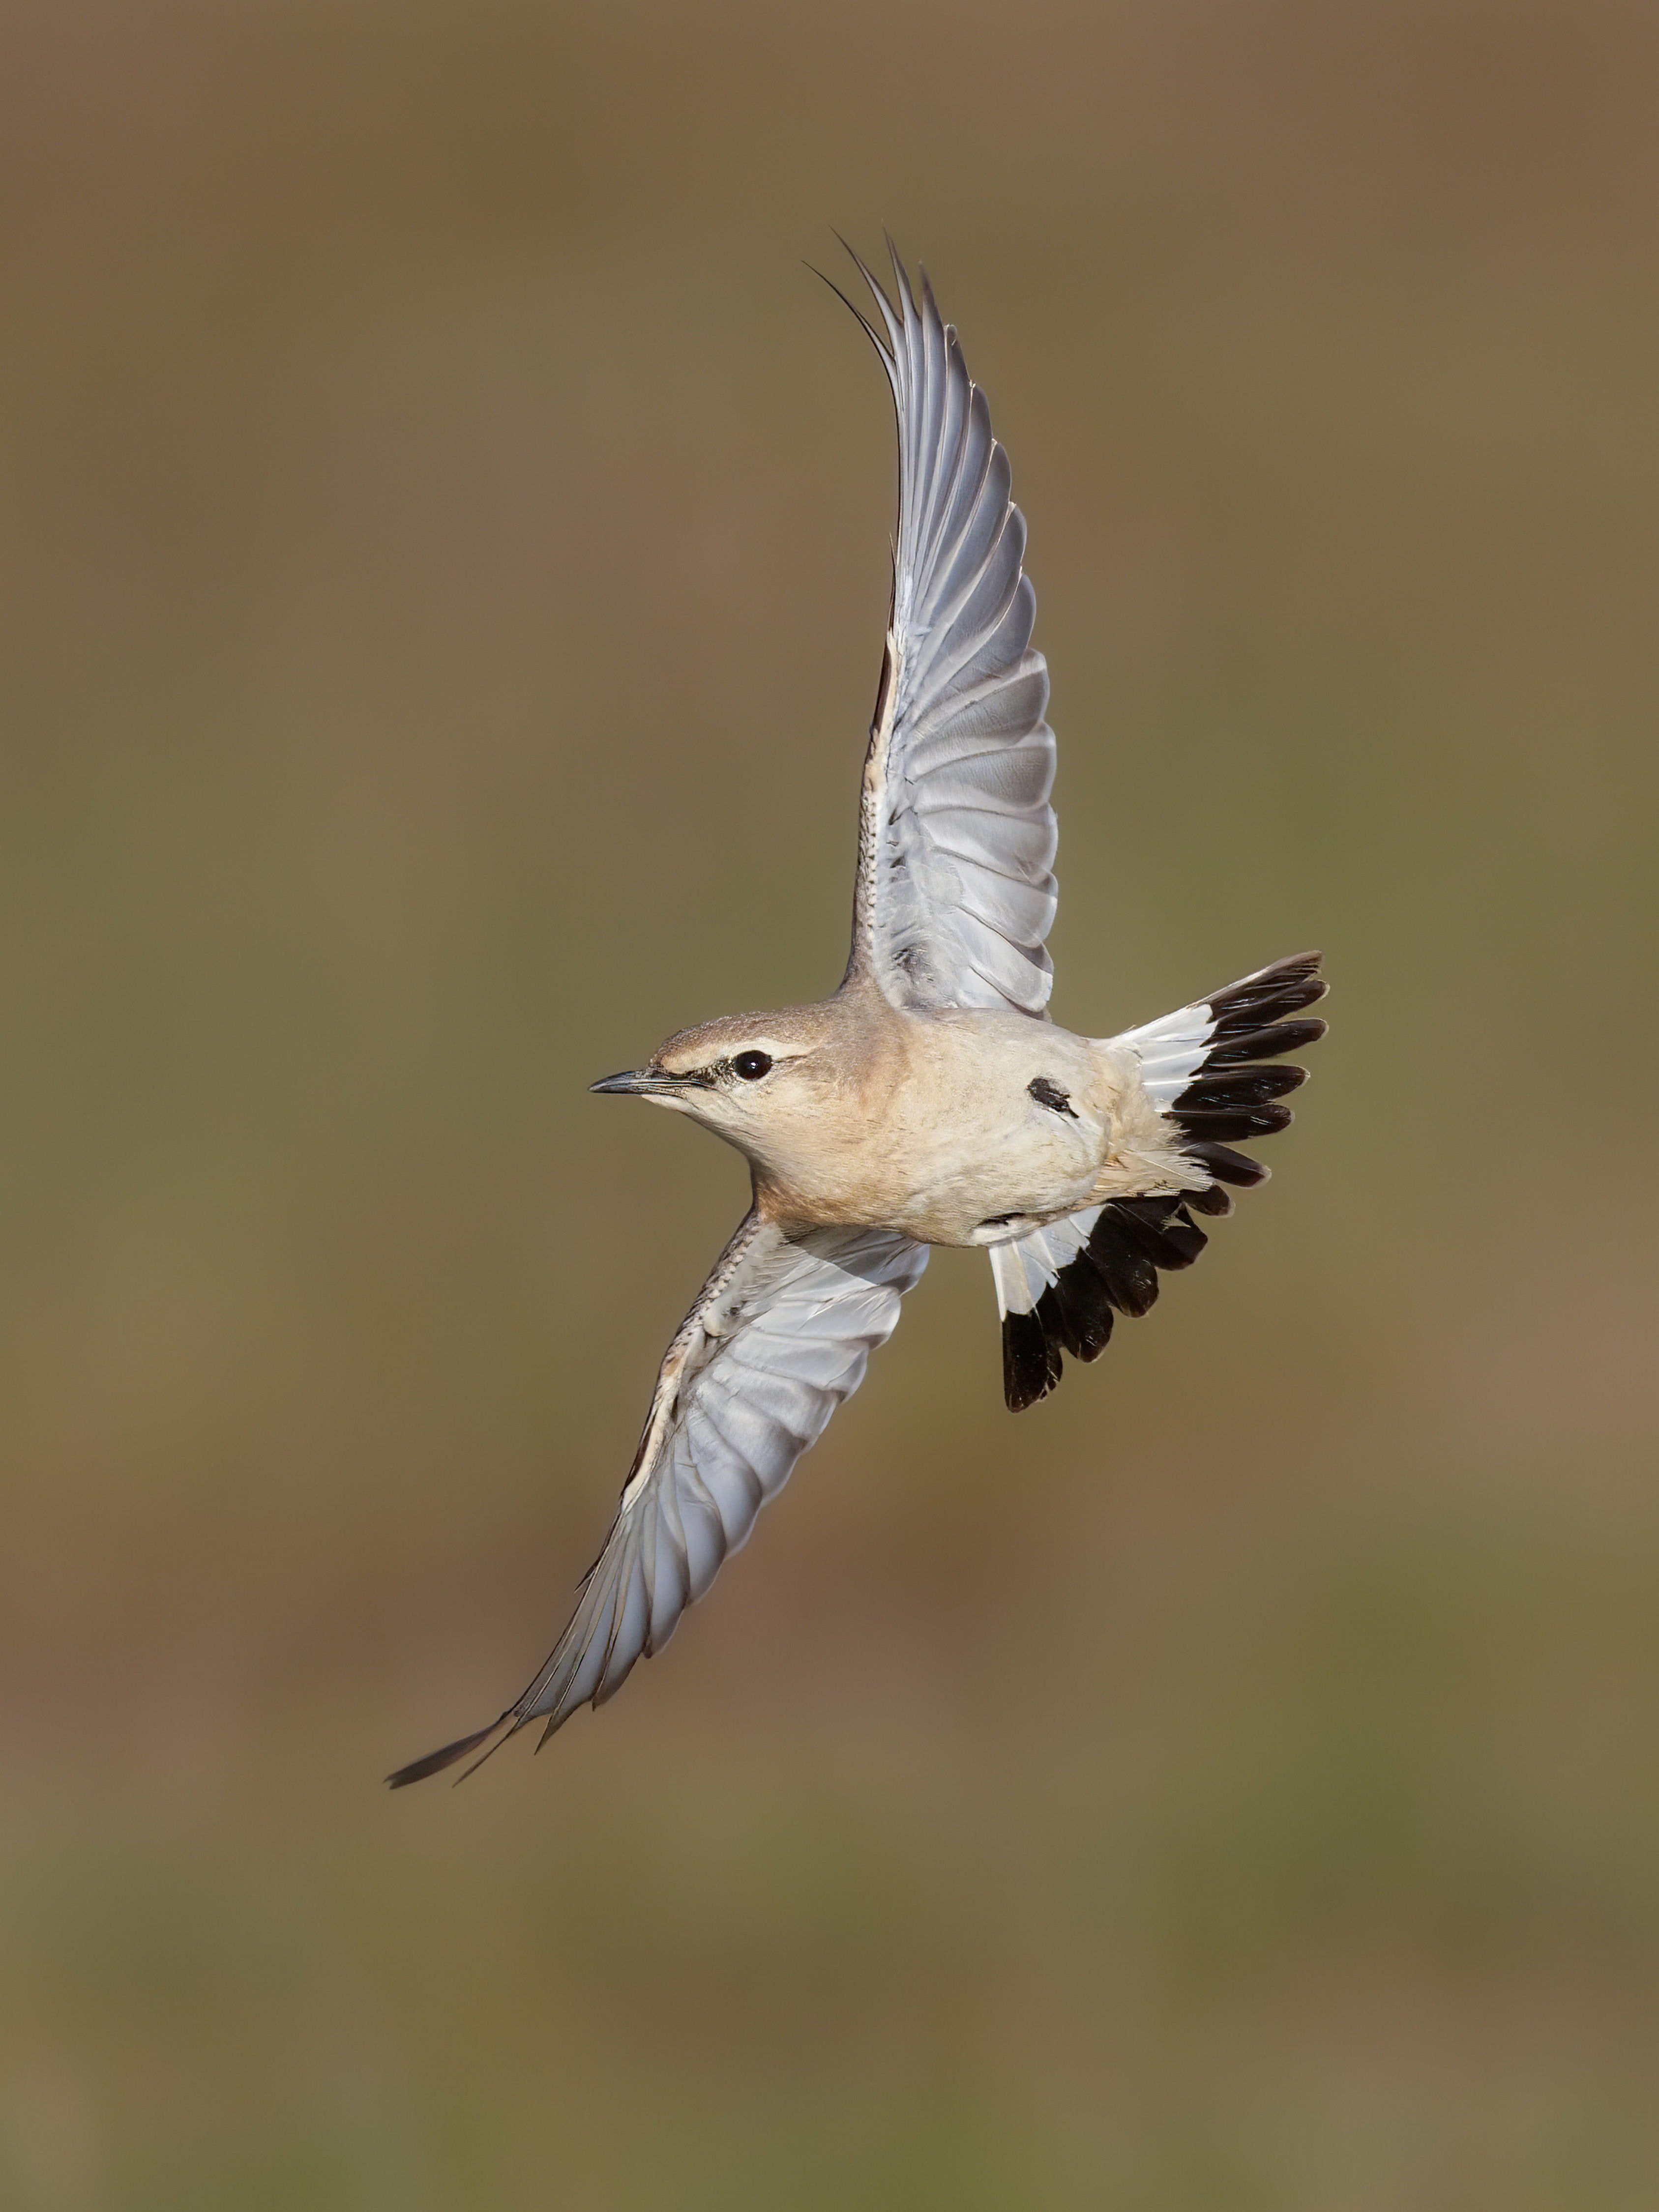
(932, 1100)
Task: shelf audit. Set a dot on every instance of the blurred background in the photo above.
(442, 600)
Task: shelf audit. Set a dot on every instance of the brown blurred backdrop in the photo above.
(442, 598)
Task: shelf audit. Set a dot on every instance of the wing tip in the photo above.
(449, 1754)
(851, 306)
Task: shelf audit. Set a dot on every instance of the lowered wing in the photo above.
(778, 1337)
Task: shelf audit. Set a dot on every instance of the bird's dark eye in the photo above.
(752, 1065)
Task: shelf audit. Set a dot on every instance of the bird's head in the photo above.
(759, 1080)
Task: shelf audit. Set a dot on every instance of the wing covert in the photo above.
(954, 895)
(780, 1335)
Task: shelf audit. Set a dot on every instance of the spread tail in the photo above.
(1059, 1288)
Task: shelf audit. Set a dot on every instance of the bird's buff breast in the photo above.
(944, 1140)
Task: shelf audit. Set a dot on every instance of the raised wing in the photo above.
(778, 1337)
(956, 836)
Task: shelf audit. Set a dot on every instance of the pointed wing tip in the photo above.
(435, 1762)
(556, 1721)
(901, 275)
(856, 313)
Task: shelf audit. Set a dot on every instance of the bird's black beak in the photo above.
(637, 1083)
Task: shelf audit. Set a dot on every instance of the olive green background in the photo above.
(443, 586)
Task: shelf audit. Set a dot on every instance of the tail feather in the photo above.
(1058, 1287)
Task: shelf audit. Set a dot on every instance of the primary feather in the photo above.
(956, 836)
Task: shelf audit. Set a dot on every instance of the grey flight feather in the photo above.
(780, 1335)
(956, 837)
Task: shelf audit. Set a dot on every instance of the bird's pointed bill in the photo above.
(636, 1083)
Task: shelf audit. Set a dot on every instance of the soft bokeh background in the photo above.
(443, 597)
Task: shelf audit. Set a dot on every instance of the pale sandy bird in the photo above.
(932, 1100)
